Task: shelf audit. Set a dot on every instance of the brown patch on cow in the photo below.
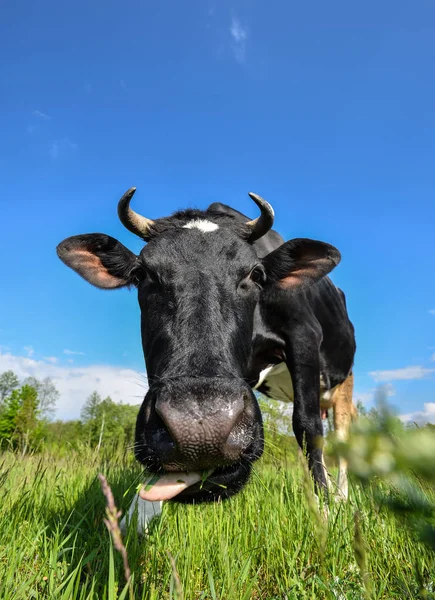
(344, 413)
(344, 409)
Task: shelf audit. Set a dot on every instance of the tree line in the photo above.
(27, 409)
(27, 421)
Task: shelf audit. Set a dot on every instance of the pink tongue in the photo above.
(167, 486)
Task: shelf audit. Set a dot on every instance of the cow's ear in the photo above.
(99, 258)
(300, 261)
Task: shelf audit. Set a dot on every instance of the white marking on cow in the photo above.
(325, 395)
(280, 385)
(278, 381)
(263, 374)
(202, 225)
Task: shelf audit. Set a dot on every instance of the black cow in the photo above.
(226, 306)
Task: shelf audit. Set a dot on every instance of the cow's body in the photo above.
(226, 306)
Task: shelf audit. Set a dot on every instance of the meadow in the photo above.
(270, 542)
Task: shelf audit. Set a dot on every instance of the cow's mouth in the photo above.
(169, 485)
(195, 486)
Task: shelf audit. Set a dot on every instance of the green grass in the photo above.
(267, 543)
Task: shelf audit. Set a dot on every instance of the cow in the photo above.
(227, 307)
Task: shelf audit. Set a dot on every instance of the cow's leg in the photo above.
(344, 413)
(307, 421)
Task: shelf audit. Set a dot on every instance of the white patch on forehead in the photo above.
(202, 225)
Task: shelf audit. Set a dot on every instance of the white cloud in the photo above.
(239, 35)
(41, 115)
(59, 146)
(415, 372)
(51, 359)
(421, 416)
(71, 352)
(75, 384)
(29, 350)
(431, 311)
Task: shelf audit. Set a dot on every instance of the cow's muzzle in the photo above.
(196, 424)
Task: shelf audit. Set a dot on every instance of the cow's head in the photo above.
(199, 281)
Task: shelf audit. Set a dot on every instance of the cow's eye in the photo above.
(142, 274)
(258, 275)
(138, 275)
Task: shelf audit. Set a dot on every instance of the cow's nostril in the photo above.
(162, 441)
(165, 415)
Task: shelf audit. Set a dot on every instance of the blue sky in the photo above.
(325, 109)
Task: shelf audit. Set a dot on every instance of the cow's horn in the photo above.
(264, 222)
(133, 221)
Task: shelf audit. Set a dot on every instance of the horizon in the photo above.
(327, 113)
